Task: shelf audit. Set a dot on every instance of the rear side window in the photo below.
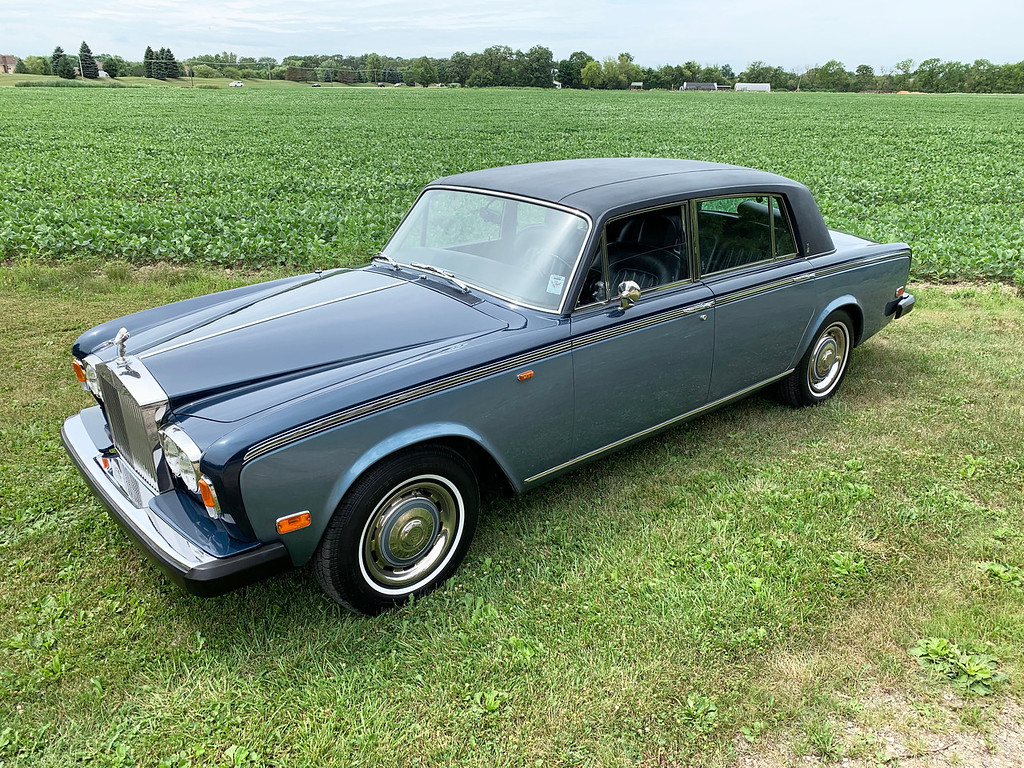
(735, 232)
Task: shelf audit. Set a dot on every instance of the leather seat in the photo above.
(632, 261)
(646, 252)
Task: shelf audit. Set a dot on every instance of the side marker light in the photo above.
(295, 522)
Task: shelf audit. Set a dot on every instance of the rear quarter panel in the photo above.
(860, 274)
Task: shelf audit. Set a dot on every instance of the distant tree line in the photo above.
(500, 65)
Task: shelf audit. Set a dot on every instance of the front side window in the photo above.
(521, 251)
(735, 232)
(647, 248)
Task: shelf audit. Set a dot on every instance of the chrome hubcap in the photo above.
(828, 359)
(411, 533)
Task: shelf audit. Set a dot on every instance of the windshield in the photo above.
(520, 251)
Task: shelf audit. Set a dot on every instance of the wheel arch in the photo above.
(847, 304)
(491, 473)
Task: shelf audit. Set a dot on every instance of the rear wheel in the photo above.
(822, 368)
(402, 529)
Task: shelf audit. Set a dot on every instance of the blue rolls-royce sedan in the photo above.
(520, 321)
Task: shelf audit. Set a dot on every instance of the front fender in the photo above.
(314, 476)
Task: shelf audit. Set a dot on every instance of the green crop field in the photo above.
(318, 177)
(739, 591)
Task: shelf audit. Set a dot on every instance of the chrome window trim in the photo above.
(524, 199)
(784, 209)
(603, 246)
(663, 425)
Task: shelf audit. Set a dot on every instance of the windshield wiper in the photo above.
(443, 273)
(386, 259)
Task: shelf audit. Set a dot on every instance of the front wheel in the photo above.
(822, 368)
(401, 530)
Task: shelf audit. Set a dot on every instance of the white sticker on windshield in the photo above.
(555, 284)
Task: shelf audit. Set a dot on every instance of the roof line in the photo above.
(651, 176)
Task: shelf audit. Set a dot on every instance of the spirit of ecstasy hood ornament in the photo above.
(120, 340)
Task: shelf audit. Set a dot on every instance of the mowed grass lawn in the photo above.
(753, 574)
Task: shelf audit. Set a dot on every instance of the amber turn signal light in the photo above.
(207, 493)
(290, 523)
(79, 370)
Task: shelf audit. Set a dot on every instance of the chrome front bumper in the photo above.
(128, 500)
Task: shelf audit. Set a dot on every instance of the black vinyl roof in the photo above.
(609, 179)
(602, 187)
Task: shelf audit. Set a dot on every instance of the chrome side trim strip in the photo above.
(748, 292)
(399, 398)
(414, 393)
(657, 427)
(474, 374)
(160, 350)
(643, 322)
(835, 270)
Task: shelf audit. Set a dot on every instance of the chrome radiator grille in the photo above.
(133, 427)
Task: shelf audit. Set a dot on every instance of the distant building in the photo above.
(7, 64)
(637, 86)
(688, 86)
(765, 87)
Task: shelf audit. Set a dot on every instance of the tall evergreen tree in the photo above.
(20, 68)
(159, 66)
(65, 68)
(170, 64)
(87, 64)
(55, 57)
(147, 62)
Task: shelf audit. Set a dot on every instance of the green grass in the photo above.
(753, 573)
(283, 175)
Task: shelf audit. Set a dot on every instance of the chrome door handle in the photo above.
(698, 307)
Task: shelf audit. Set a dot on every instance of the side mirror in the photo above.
(629, 294)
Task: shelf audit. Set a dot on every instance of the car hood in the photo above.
(302, 338)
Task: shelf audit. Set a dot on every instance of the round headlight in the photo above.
(182, 456)
(90, 378)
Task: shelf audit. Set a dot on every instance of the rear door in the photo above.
(763, 288)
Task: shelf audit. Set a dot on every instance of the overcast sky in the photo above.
(796, 34)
